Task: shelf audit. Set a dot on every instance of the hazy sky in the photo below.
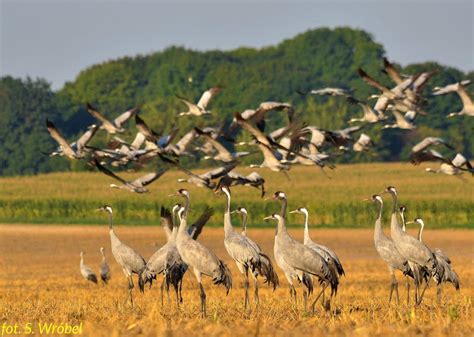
(57, 39)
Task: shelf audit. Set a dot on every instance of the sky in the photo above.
(57, 39)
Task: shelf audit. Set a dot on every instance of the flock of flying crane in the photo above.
(293, 143)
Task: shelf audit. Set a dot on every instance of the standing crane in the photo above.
(104, 268)
(411, 249)
(443, 260)
(167, 260)
(329, 256)
(297, 260)
(130, 261)
(388, 253)
(246, 254)
(86, 272)
(199, 258)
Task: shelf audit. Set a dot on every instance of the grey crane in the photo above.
(244, 214)
(206, 179)
(404, 122)
(75, 150)
(167, 260)
(200, 259)
(419, 152)
(389, 253)
(363, 143)
(246, 254)
(298, 261)
(414, 251)
(199, 108)
(326, 253)
(443, 260)
(223, 154)
(115, 126)
(130, 261)
(370, 115)
(137, 185)
(460, 89)
(326, 92)
(86, 272)
(234, 179)
(104, 268)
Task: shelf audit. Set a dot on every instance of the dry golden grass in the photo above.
(40, 282)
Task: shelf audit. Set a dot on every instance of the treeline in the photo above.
(314, 59)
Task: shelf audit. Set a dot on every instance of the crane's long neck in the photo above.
(284, 204)
(281, 227)
(420, 233)
(404, 224)
(244, 223)
(110, 221)
(378, 232)
(394, 225)
(103, 255)
(82, 260)
(187, 201)
(227, 220)
(306, 228)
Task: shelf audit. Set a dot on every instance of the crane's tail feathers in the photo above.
(105, 278)
(267, 271)
(92, 278)
(174, 274)
(223, 276)
(308, 282)
(144, 277)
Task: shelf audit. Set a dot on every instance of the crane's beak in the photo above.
(409, 222)
(99, 209)
(269, 198)
(173, 195)
(268, 218)
(233, 212)
(367, 199)
(295, 211)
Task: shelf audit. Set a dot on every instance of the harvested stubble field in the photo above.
(70, 198)
(40, 282)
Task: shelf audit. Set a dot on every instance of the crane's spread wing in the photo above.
(144, 129)
(196, 228)
(97, 115)
(219, 172)
(86, 137)
(369, 80)
(149, 178)
(207, 96)
(391, 71)
(123, 118)
(106, 171)
(58, 137)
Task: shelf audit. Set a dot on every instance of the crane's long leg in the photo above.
(181, 291)
(305, 300)
(256, 298)
(393, 286)
(246, 288)
(161, 291)
(438, 292)
(423, 292)
(130, 287)
(202, 294)
(408, 290)
(317, 297)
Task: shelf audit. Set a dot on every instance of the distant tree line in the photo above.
(314, 59)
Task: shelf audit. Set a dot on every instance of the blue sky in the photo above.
(57, 39)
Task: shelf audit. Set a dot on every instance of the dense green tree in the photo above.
(314, 59)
